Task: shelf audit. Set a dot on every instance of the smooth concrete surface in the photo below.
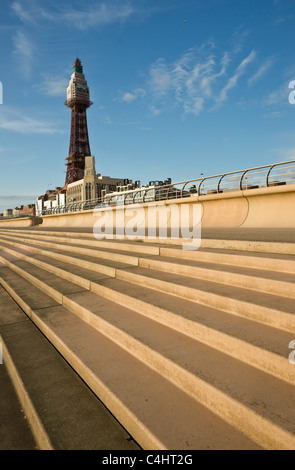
(21, 222)
(202, 333)
(273, 235)
(49, 392)
(273, 209)
(15, 431)
(133, 390)
(270, 207)
(252, 208)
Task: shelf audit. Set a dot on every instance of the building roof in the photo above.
(77, 67)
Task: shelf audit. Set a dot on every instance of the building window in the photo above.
(88, 191)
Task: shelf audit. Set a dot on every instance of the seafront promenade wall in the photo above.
(272, 207)
(21, 222)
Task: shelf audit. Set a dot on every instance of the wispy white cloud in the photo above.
(274, 114)
(187, 81)
(194, 80)
(16, 121)
(128, 97)
(161, 78)
(278, 96)
(107, 120)
(154, 111)
(261, 72)
(98, 14)
(26, 16)
(233, 80)
(94, 14)
(24, 51)
(54, 85)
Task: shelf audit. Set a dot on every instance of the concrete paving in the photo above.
(188, 350)
(39, 372)
(15, 431)
(283, 235)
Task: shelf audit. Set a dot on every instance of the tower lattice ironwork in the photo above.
(78, 99)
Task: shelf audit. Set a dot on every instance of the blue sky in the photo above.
(179, 88)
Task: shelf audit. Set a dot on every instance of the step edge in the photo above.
(217, 301)
(263, 423)
(39, 432)
(259, 284)
(186, 326)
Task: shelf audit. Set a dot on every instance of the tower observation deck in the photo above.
(78, 99)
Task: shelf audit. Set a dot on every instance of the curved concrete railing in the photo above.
(271, 207)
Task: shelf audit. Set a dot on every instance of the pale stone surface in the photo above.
(188, 350)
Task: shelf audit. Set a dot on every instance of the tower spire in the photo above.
(78, 99)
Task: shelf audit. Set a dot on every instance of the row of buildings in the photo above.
(22, 211)
(91, 187)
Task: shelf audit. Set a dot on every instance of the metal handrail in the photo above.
(181, 189)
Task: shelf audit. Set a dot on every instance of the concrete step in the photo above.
(234, 335)
(151, 343)
(15, 431)
(48, 391)
(228, 242)
(136, 394)
(104, 266)
(222, 347)
(254, 343)
(274, 282)
(92, 252)
(267, 261)
(191, 365)
(248, 245)
(279, 261)
(271, 310)
(256, 279)
(82, 276)
(87, 239)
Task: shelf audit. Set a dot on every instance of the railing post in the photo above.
(241, 180)
(267, 175)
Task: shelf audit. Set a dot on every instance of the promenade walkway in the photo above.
(143, 345)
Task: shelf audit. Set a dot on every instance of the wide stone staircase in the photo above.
(133, 345)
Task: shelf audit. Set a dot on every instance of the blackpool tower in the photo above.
(78, 99)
